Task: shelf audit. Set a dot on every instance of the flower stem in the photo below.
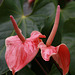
(57, 66)
(44, 65)
(13, 73)
(17, 30)
(40, 66)
(53, 32)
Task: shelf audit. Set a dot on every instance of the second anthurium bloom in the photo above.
(20, 51)
(60, 53)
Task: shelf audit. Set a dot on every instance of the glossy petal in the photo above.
(47, 52)
(60, 54)
(19, 54)
(63, 58)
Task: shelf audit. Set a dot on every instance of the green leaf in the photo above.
(66, 13)
(25, 71)
(69, 39)
(34, 21)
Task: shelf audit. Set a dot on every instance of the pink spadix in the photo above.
(17, 30)
(54, 30)
(60, 53)
(20, 51)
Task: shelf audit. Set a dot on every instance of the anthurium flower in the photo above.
(20, 51)
(59, 53)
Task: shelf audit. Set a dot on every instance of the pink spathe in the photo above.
(60, 54)
(20, 51)
(19, 54)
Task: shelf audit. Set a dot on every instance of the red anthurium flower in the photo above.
(60, 53)
(20, 51)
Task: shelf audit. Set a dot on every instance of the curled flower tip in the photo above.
(17, 30)
(53, 32)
